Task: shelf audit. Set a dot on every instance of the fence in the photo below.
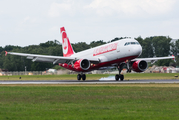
(22, 73)
(10, 73)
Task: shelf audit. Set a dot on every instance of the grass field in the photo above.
(100, 102)
(105, 102)
(129, 76)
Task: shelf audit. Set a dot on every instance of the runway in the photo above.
(85, 82)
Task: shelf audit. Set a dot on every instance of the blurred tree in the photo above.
(1, 49)
(175, 48)
(39, 66)
(57, 67)
(80, 46)
(161, 45)
(141, 41)
(148, 49)
(96, 43)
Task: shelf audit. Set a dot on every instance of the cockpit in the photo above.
(131, 43)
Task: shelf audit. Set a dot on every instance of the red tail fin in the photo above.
(67, 48)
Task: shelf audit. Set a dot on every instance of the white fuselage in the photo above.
(112, 51)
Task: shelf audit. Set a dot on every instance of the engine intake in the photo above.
(139, 66)
(82, 64)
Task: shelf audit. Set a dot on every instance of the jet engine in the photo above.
(139, 66)
(82, 64)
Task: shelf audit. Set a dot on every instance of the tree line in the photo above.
(152, 46)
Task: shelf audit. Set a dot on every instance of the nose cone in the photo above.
(137, 50)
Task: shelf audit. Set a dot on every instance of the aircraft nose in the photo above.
(137, 50)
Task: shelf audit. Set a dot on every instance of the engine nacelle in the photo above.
(82, 64)
(139, 66)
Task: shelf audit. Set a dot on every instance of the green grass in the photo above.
(129, 76)
(88, 102)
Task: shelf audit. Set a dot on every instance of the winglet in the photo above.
(174, 58)
(6, 53)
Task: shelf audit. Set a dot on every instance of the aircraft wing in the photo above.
(152, 60)
(51, 59)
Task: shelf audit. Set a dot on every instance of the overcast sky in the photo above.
(28, 22)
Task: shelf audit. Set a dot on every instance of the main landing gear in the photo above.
(81, 76)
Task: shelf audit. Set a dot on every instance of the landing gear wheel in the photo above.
(83, 77)
(121, 77)
(78, 77)
(117, 77)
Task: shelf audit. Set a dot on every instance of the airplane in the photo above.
(114, 54)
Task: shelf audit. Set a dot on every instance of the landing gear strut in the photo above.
(128, 67)
(81, 76)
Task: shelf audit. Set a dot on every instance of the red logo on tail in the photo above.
(65, 44)
(67, 48)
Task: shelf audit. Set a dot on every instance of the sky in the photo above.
(31, 22)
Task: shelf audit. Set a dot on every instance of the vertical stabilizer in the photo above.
(66, 45)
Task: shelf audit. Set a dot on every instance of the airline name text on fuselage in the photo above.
(105, 49)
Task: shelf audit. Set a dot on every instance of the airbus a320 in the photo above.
(114, 54)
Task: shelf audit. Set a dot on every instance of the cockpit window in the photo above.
(131, 43)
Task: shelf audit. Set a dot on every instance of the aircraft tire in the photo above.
(78, 77)
(83, 77)
(117, 77)
(121, 77)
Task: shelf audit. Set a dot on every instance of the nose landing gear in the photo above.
(120, 67)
